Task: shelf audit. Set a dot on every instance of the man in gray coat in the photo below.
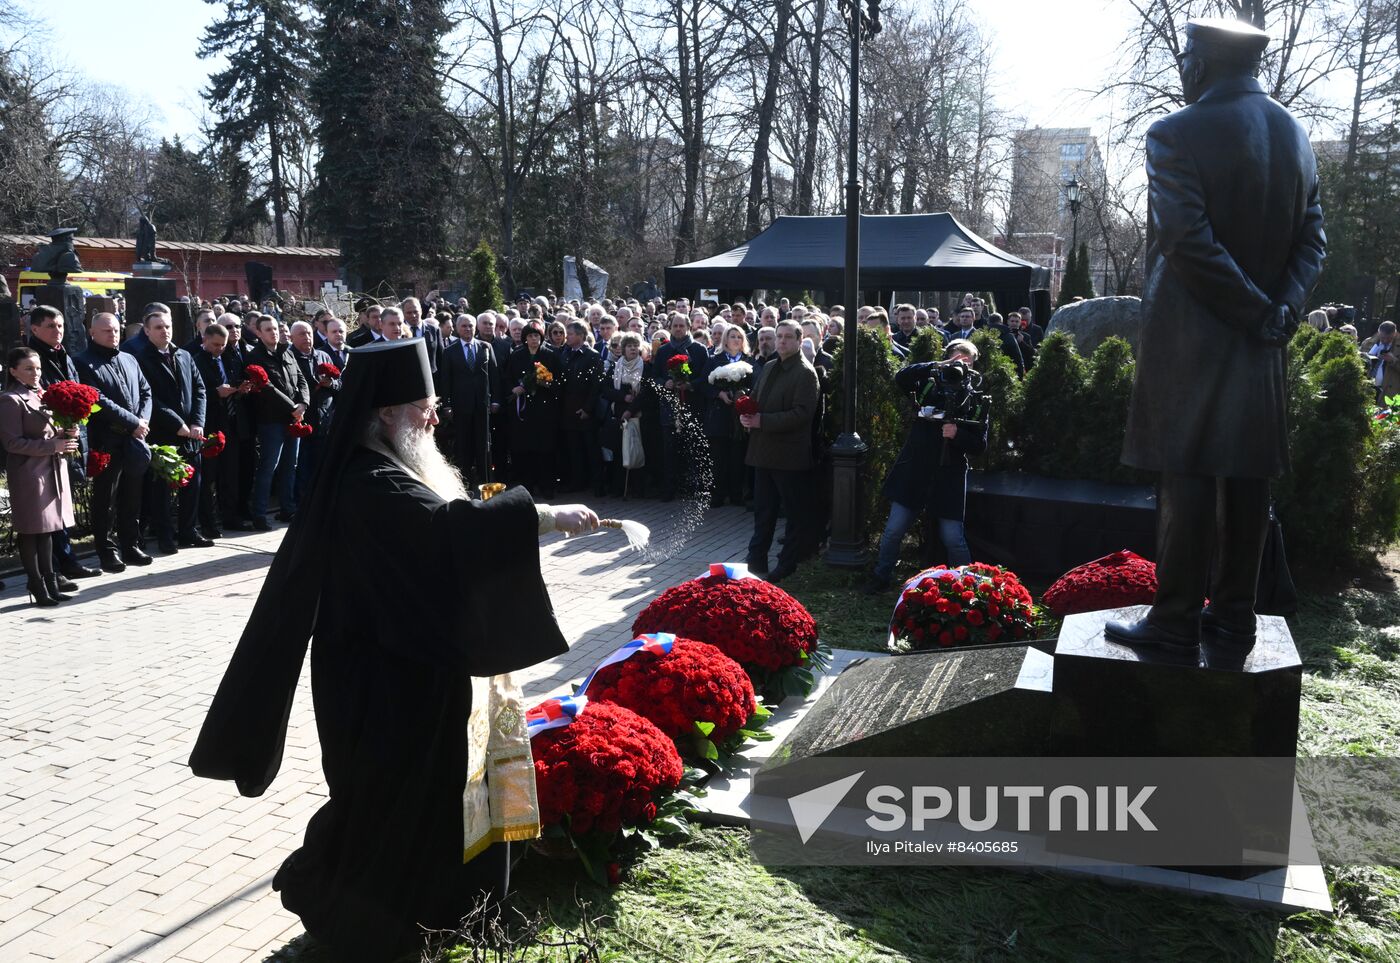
(1235, 246)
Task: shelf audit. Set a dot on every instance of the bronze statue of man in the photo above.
(1235, 246)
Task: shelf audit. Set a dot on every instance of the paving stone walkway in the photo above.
(110, 850)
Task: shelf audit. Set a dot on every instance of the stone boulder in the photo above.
(1094, 320)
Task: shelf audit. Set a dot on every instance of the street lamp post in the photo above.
(1073, 194)
(846, 548)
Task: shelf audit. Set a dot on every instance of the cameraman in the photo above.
(1383, 368)
(922, 477)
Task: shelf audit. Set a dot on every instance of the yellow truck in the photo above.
(101, 283)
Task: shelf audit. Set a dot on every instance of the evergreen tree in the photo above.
(1069, 279)
(1086, 278)
(383, 130)
(260, 98)
(185, 195)
(485, 288)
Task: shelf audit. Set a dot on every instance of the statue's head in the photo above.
(1217, 48)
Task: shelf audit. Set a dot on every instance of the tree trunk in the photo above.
(1358, 98)
(691, 116)
(807, 179)
(753, 209)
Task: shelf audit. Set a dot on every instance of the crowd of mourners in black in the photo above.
(561, 396)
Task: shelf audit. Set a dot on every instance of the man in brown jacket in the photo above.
(780, 452)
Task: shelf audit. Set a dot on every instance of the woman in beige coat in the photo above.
(40, 502)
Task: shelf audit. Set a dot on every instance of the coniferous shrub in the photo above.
(485, 290)
(1002, 383)
(926, 346)
(1103, 416)
(1053, 408)
(882, 418)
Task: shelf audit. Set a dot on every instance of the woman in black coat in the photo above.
(728, 439)
(533, 411)
(920, 479)
(630, 394)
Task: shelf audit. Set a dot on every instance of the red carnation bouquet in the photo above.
(695, 694)
(678, 366)
(299, 429)
(169, 467)
(971, 605)
(97, 463)
(214, 445)
(754, 622)
(327, 370)
(603, 777)
(746, 405)
(1111, 582)
(71, 403)
(255, 375)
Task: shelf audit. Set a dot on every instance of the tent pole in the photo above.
(846, 548)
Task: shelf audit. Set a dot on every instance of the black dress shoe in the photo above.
(1212, 625)
(76, 569)
(167, 547)
(758, 566)
(286, 516)
(64, 585)
(260, 524)
(1153, 644)
(135, 555)
(195, 540)
(111, 561)
(780, 573)
(239, 525)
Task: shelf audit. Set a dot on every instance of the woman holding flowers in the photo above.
(40, 500)
(729, 377)
(533, 370)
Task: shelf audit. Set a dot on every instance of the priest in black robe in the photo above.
(403, 842)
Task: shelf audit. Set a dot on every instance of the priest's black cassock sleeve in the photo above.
(416, 596)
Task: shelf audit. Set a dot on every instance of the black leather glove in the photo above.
(1276, 325)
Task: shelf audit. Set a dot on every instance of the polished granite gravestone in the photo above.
(1096, 699)
(989, 701)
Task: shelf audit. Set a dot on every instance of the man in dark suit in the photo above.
(471, 390)
(1235, 245)
(46, 338)
(1034, 331)
(416, 326)
(177, 418)
(502, 346)
(336, 347)
(1009, 345)
(324, 388)
(583, 373)
(119, 430)
(224, 395)
(282, 401)
(367, 331)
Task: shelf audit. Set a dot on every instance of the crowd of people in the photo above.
(607, 397)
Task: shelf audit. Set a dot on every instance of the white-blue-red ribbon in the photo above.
(735, 570)
(657, 643)
(553, 713)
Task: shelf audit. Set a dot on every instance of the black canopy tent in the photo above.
(898, 252)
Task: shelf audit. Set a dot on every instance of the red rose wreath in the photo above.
(1111, 582)
(972, 605)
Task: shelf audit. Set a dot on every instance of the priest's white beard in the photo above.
(415, 448)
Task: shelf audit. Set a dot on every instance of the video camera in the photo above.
(954, 394)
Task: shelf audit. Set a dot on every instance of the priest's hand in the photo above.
(575, 519)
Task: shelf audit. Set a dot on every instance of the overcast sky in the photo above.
(1043, 53)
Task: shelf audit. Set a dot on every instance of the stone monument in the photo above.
(148, 282)
(58, 259)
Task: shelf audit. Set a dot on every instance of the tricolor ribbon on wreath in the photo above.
(554, 713)
(734, 570)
